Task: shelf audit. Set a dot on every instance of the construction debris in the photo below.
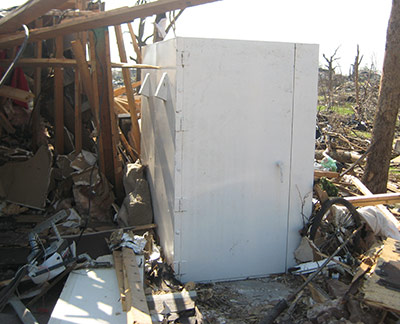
(70, 175)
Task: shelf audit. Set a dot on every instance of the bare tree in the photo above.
(377, 168)
(330, 65)
(356, 66)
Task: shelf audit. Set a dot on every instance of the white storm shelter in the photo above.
(228, 138)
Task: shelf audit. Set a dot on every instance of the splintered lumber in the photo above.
(376, 294)
(134, 155)
(119, 107)
(124, 102)
(138, 310)
(119, 271)
(121, 90)
(102, 19)
(26, 13)
(129, 90)
(16, 94)
(373, 200)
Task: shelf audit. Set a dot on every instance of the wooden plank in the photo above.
(109, 160)
(117, 160)
(118, 265)
(135, 44)
(378, 295)
(134, 66)
(138, 310)
(121, 90)
(363, 188)
(326, 174)
(83, 69)
(373, 200)
(59, 98)
(63, 62)
(102, 19)
(96, 97)
(16, 94)
(129, 91)
(26, 13)
(41, 62)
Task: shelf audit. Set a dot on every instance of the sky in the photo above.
(331, 24)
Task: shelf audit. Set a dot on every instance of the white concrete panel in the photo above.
(237, 126)
(158, 141)
(221, 153)
(303, 143)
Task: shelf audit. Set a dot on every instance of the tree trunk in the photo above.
(376, 173)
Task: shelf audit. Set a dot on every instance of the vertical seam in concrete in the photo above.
(291, 156)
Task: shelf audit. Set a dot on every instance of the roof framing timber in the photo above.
(27, 13)
(102, 19)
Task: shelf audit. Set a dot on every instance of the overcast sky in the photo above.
(330, 24)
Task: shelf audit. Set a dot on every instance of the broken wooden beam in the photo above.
(16, 94)
(327, 174)
(363, 188)
(26, 13)
(138, 310)
(102, 19)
